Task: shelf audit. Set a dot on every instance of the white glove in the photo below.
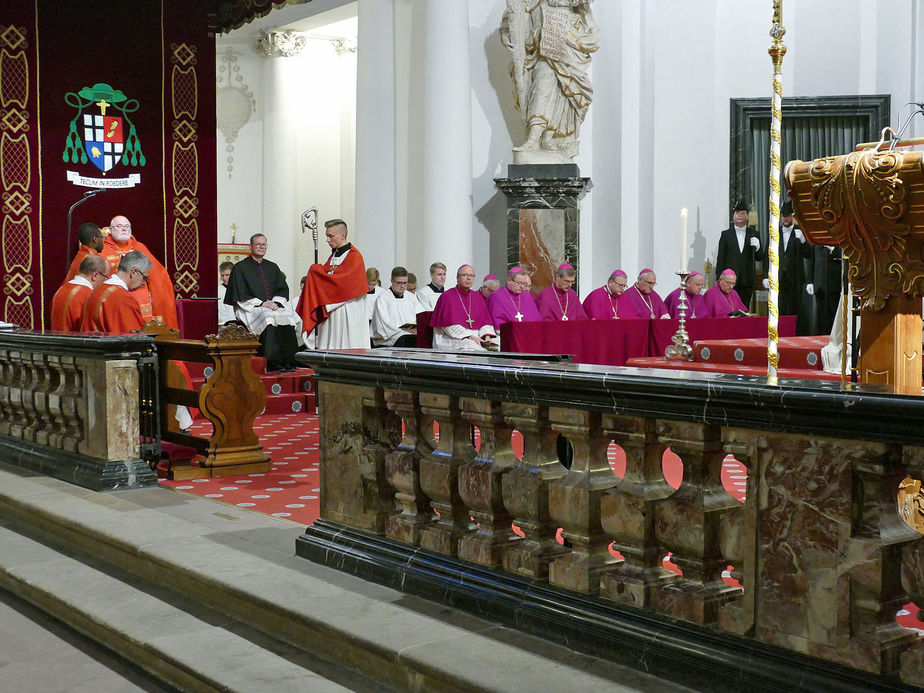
(810, 289)
(766, 283)
(755, 243)
(799, 235)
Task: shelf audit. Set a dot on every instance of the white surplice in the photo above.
(348, 324)
(455, 338)
(390, 314)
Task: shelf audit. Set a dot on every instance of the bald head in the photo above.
(95, 269)
(120, 228)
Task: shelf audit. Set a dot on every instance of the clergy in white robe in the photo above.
(395, 312)
(428, 295)
(460, 320)
(334, 296)
(225, 312)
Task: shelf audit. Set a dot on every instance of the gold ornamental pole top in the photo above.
(777, 31)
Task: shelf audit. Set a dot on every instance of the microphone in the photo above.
(93, 193)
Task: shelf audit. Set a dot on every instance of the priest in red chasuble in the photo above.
(111, 307)
(68, 301)
(156, 297)
(460, 320)
(91, 243)
(334, 297)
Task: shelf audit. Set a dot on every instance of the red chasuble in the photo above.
(112, 309)
(84, 251)
(67, 307)
(326, 284)
(157, 297)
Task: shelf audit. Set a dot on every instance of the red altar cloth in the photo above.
(607, 342)
(715, 328)
(613, 342)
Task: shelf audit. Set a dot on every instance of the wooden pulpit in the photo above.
(871, 204)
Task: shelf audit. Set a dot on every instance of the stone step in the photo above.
(242, 565)
(180, 649)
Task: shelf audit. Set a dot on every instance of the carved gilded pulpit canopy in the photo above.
(872, 205)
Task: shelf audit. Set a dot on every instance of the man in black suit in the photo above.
(739, 249)
(825, 273)
(793, 250)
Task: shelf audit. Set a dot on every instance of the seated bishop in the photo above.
(513, 302)
(559, 301)
(258, 291)
(604, 303)
(394, 319)
(460, 320)
(642, 301)
(110, 307)
(722, 301)
(696, 302)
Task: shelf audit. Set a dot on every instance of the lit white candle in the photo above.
(683, 239)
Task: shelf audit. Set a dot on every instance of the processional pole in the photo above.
(777, 51)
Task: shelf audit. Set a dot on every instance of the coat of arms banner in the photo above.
(117, 96)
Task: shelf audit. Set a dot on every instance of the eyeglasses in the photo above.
(467, 275)
(258, 245)
(143, 275)
(648, 281)
(400, 283)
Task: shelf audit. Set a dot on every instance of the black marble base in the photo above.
(698, 657)
(543, 171)
(88, 472)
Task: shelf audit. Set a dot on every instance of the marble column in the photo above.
(375, 134)
(280, 173)
(447, 138)
(543, 218)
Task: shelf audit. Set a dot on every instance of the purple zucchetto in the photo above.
(489, 278)
(647, 270)
(728, 271)
(618, 273)
(565, 266)
(514, 271)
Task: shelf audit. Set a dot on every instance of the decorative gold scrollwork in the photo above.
(911, 504)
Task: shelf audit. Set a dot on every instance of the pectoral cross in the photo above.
(519, 316)
(564, 317)
(470, 323)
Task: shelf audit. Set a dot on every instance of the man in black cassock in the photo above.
(739, 249)
(259, 294)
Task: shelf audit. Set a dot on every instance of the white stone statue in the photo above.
(551, 42)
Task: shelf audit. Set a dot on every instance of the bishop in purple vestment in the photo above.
(559, 301)
(604, 303)
(460, 320)
(696, 302)
(514, 302)
(641, 299)
(721, 299)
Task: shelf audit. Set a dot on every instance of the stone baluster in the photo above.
(480, 484)
(439, 474)
(57, 425)
(6, 382)
(382, 434)
(45, 383)
(911, 509)
(402, 467)
(526, 492)
(688, 523)
(738, 533)
(73, 405)
(20, 375)
(574, 502)
(628, 513)
(873, 579)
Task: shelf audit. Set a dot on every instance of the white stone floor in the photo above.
(38, 653)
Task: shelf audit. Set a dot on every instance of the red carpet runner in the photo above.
(292, 489)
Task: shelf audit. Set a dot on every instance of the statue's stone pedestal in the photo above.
(543, 218)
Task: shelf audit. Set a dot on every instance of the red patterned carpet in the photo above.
(292, 489)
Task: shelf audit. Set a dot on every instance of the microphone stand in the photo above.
(70, 215)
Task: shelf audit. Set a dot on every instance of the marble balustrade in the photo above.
(69, 407)
(819, 547)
